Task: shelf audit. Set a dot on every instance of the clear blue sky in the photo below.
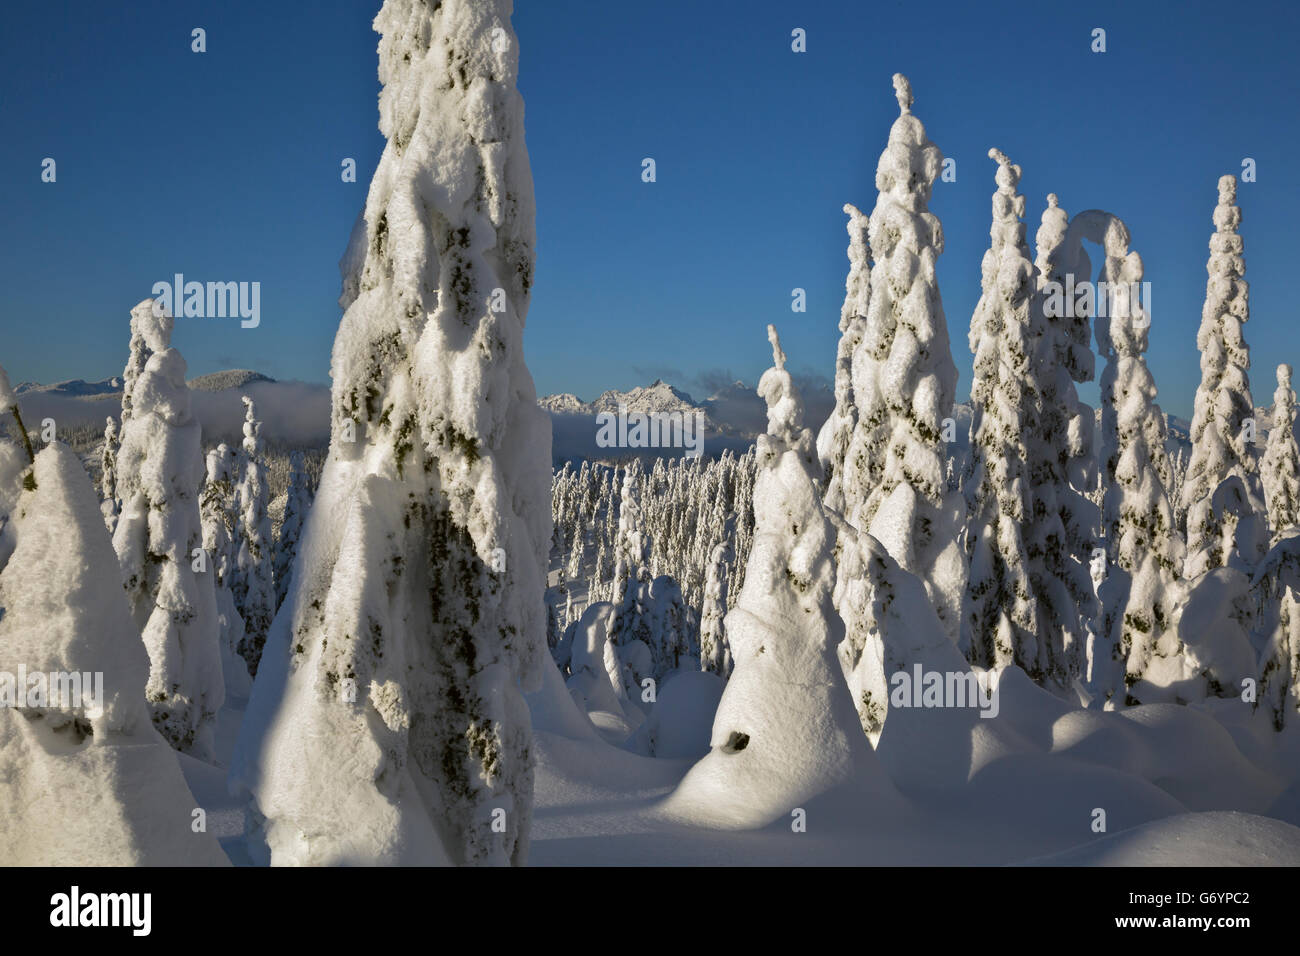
(225, 165)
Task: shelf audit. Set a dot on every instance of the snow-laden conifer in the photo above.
(387, 723)
(903, 377)
(158, 537)
(1223, 423)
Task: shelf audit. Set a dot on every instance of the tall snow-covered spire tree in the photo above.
(218, 516)
(160, 470)
(391, 726)
(1222, 438)
(254, 589)
(1281, 470)
(785, 729)
(1000, 613)
(903, 377)
(835, 435)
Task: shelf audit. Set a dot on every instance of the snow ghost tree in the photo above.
(785, 729)
(834, 437)
(254, 590)
(1281, 470)
(715, 653)
(83, 775)
(297, 501)
(159, 471)
(109, 506)
(1000, 614)
(903, 377)
(1222, 425)
(391, 727)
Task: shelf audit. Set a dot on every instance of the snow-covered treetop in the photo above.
(776, 387)
(153, 323)
(903, 92)
(252, 429)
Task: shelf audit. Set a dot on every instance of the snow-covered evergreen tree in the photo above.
(1280, 473)
(785, 729)
(254, 588)
(1000, 612)
(218, 517)
(296, 503)
(836, 434)
(86, 781)
(159, 471)
(1138, 644)
(109, 505)
(715, 652)
(1222, 437)
(391, 727)
(903, 377)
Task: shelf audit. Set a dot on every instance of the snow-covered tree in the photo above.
(836, 434)
(1000, 613)
(1280, 473)
(1062, 523)
(715, 652)
(297, 501)
(391, 727)
(109, 505)
(83, 778)
(254, 588)
(1223, 421)
(159, 471)
(1138, 644)
(785, 729)
(903, 377)
(218, 517)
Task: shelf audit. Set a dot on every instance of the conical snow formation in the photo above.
(785, 730)
(903, 377)
(158, 535)
(83, 775)
(387, 724)
(1000, 622)
(1281, 470)
(1223, 425)
(834, 438)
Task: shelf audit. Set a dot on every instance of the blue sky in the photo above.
(225, 166)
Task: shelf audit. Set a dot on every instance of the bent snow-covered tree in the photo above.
(903, 377)
(160, 469)
(416, 614)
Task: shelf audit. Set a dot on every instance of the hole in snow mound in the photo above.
(735, 743)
